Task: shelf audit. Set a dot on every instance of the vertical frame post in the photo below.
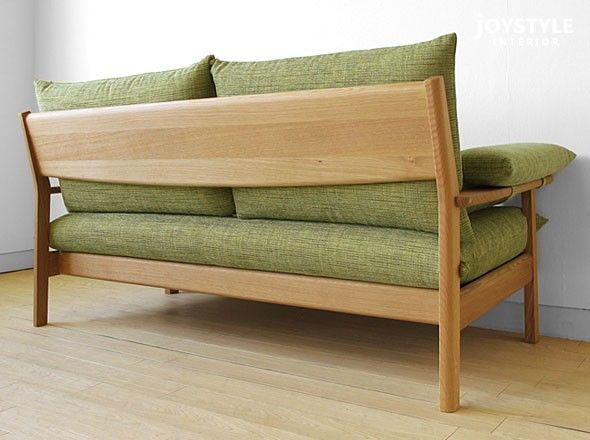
(41, 240)
(449, 245)
(531, 290)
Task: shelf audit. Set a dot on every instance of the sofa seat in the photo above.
(364, 253)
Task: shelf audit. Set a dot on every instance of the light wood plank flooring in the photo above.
(129, 362)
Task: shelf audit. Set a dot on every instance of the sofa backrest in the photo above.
(193, 82)
(309, 138)
(303, 138)
(409, 205)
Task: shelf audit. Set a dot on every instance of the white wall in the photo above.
(16, 95)
(523, 90)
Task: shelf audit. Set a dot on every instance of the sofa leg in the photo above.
(170, 291)
(40, 298)
(531, 290)
(41, 257)
(449, 355)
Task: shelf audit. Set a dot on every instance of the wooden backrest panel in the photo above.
(356, 135)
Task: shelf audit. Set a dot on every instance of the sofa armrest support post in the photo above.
(449, 308)
(478, 196)
(531, 290)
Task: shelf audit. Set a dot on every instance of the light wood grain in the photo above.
(449, 308)
(481, 295)
(151, 365)
(318, 137)
(43, 268)
(477, 196)
(370, 299)
(531, 290)
(53, 263)
(356, 135)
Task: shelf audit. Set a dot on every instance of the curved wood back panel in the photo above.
(353, 135)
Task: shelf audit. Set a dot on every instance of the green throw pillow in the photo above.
(513, 164)
(191, 82)
(410, 205)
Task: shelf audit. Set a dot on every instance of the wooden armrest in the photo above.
(477, 196)
(55, 190)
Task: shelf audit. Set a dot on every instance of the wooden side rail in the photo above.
(358, 297)
(359, 135)
(477, 196)
(369, 299)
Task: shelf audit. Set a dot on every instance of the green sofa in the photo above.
(385, 233)
(382, 233)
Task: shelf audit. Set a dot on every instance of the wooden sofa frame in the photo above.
(359, 135)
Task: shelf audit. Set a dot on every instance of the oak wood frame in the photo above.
(71, 144)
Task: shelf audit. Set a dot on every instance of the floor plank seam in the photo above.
(271, 370)
(252, 366)
(164, 395)
(131, 341)
(104, 364)
(163, 362)
(499, 424)
(57, 338)
(451, 434)
(568, 428)
(276, 372)
(502, 390)
(330, 399)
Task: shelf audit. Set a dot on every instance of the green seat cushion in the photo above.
(191, 82)
(513, 164)
(390, 205)
(355, 252)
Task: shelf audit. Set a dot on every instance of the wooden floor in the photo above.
(127, 362)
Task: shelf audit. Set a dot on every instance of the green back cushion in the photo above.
(191, 82)
(410, 205)
(513, 164)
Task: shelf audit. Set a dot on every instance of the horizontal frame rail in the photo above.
(477, 196)
(357, 297)
(354, 135)
(370, 299)
(486, 292)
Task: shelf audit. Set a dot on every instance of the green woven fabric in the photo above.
(191, 82)
(396, 205)
(366, 253)
(384, 205)
(109, 197)
(513, 164)
(500, 235)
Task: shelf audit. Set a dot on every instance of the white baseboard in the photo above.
(11, 261)
(562, 322)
